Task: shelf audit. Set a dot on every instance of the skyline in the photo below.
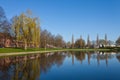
(67, 17)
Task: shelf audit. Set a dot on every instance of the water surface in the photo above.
(62, 66)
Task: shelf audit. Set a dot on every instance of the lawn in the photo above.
(10, 50)
(20, 51)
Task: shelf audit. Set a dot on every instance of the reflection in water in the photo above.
(103, 56)
(50, 59)
(29, 67)
(89, 56)
(18, 68)
(80, 56)
(23, 68)
(118, 56)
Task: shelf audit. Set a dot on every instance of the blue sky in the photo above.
(67, 17)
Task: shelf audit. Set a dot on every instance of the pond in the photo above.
(62, 66)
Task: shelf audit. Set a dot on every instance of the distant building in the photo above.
(113, 45)
(5, 40)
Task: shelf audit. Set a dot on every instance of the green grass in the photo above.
(20, 51)
(10, 50)
(89, 49)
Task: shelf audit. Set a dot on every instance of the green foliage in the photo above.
(12, 50)
(27, 29)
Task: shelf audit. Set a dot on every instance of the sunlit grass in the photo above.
(21, 51)
(9, 50)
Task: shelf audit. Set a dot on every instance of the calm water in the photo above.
(62, 66)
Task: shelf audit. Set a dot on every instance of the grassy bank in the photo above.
(27, 52)
(11, 50)
(19, 51)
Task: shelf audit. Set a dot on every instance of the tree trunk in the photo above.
(16, 44)
(25, 46)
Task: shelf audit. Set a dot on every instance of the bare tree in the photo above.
(80, 43)
(4, 23)
(118, 41)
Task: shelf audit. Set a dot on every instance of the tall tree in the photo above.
(88, 42)
(106, 39)
(97, 40)
(44, 38)
(2, 19)
(118, 41)
(49, 40)
(26, 29)
(72, 41)
(5, 26)
(58, 41)
(80, 43)
(68, 44)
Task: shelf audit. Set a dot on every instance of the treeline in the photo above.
(24, 31)
(48, 40)
(98, 43)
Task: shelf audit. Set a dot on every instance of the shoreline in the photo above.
(45, 51)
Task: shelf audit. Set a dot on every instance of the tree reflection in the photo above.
(103, 56)
(99, 56)
(26, 70)
(53, 59)
(4, 68)
(71, 54)
(89, 56)
(29, 67)
(80, 56)
(19, 68)
(118, 56)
